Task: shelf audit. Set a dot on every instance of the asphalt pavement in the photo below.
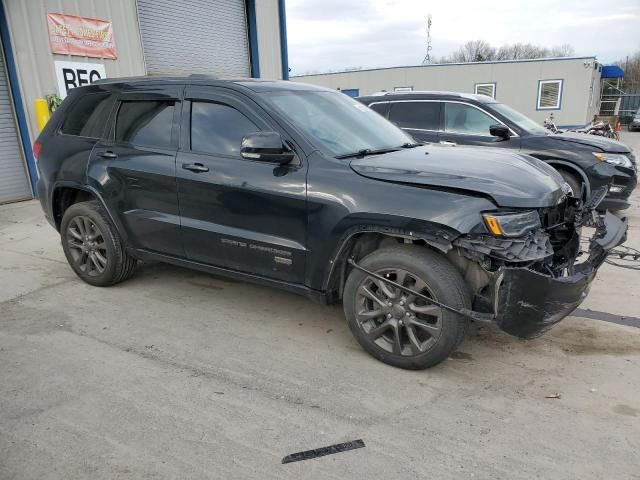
(180, 374)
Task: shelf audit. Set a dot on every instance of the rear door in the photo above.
(134, 168)
(466, 124)
(419, 118)
(240, 214)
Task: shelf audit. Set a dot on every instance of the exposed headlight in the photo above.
(614, 159)
(511, 224)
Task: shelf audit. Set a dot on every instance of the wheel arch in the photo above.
(572, 168)
(65, 194)
(359, 241)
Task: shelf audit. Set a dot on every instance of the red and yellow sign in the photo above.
(87, 37)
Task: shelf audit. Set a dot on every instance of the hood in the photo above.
(596, 141)
(511, 180)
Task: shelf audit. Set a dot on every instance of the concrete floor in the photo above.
(178, 374)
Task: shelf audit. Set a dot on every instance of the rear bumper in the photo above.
(528, 303)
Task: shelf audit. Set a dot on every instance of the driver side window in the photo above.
(218, 129)
(461, 118)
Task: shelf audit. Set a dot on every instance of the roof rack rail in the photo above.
(203, 75)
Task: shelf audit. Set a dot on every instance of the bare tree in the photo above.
(473, 51)
(520, 51)
(631, 67)
(564, 50)
(481, 51)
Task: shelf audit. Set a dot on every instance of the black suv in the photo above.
(305, 189)
(586, 162)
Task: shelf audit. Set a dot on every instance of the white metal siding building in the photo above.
(567, 87)
(226, 38)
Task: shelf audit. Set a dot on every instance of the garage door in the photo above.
(14, 182)
(195, 36)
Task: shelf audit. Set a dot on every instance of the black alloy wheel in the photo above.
(400, 323)
(93, 246)
(87, 246)
(400, 328)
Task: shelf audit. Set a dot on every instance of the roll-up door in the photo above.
(14, 179)
(195, 36)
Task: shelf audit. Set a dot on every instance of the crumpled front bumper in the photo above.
(529, 303)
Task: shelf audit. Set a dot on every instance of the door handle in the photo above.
(448, 142)
(195, 167)
(108, 154)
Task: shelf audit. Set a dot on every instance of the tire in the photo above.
(86, 231)
(574, 183)
(442, 282)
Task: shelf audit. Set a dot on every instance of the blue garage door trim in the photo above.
(284, 52)
(254, 53)
(23, 131)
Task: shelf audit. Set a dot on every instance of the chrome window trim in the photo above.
(513, 134)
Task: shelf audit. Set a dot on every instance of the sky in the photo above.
(334, 35)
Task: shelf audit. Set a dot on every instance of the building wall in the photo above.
(29, 33)
(269, 51)
(516, 83)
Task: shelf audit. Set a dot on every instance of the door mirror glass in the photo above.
(501, 131)
(265, 147)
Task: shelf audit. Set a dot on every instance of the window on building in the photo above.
(549, 94)
(86, 117)
(461, 118)
(416, 115)
(145, 123)
(488, 89)
(218, 128)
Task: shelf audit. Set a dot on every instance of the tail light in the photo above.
(37, 146)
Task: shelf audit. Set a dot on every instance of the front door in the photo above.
(465, 124)
(240, 214)
(134, 168)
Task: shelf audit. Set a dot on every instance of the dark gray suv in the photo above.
(587, 162)
(305, 189)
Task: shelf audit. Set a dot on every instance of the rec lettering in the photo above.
(77, 78)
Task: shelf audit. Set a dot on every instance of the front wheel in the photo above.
(401, 329)
(575, 184)
(92, 245)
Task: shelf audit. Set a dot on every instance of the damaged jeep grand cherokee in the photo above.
(305, 189)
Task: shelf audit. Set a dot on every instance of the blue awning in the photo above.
(612, 71)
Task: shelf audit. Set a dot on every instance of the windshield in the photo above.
(522, 121)
(339, 123)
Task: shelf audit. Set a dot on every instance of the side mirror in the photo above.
(501, 131)
(265, 147)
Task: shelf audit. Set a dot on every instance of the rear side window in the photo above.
(87, 116)
(146, 123)
(218, 128)
(416, 115)
(380, 108)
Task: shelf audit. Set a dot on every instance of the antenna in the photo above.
(427, 57)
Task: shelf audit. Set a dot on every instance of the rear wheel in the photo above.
(93, 247)
(401, 329)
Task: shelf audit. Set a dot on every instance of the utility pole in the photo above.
(427, 57)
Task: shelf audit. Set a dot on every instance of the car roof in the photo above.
(254, 84)
(425, 95)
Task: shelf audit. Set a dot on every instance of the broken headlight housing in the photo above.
(511, 224)
(614, 159)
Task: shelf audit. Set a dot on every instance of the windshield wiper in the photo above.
(411, 145)
(366, 151)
